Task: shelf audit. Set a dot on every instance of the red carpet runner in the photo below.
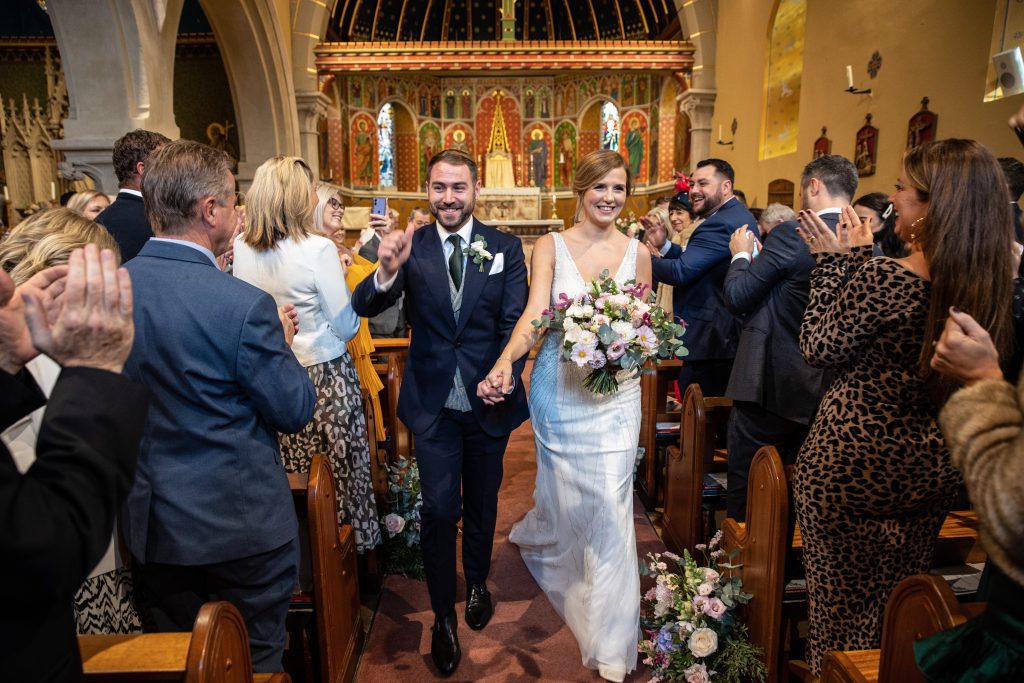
(526, 639)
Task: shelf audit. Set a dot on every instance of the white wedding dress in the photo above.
(578, 541)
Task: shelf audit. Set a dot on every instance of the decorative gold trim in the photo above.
(355, 13)
(308, 35)
(426, 20)
(401, 19)
(643, 17)
(622, 27)
(376, 16)
(572, 24)
(593, 17)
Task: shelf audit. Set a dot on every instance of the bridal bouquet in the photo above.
(613, 330)
(690, 630)
(402, 546)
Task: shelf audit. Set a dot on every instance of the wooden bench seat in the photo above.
(215, 651)
(918, 607)
(338, 619)
(655, 384)
(697, 454)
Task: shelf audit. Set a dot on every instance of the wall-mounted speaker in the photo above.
(1009, 71)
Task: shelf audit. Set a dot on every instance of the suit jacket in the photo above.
(210, 485)
(712, 331)
(369, 250)
(126, 220)
(56, 519)
(772, 292)
(491, 306)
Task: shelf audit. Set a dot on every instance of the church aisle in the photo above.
(525, 640)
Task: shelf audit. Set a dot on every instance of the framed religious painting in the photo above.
(822, 145)
(922, 127)
(866, 150)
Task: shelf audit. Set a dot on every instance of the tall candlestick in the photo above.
(849, 77)
(53, 190)
(719, 132)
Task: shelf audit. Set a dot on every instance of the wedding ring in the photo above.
(813, 238)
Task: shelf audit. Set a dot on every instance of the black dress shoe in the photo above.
(478, 606)
(444, 644)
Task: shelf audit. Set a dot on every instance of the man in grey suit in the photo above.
(775, 392)
(210, 515)
(390, 322)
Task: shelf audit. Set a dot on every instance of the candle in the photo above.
(719, 132)
(849, 77)
(53, 190)
(7, 197)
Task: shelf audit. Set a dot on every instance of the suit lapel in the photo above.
(474, 281)
(430, 260)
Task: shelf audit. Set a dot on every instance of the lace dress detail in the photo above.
(578, 541)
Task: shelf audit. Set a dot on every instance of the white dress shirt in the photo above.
(306, 273)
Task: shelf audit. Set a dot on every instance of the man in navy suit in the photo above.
(465, 288)
(210, 516)
(697, 273)
(775, 392)
(126, 219)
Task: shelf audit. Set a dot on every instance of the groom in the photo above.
(465, 288)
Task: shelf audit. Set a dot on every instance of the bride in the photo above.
(578, 541)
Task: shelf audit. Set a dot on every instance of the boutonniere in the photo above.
(478, 250)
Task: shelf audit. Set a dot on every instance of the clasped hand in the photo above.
(743, 240)
(965, 350)
(850, 232)
(498, 384)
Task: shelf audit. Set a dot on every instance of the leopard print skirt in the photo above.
(104, 604)
(338, 429)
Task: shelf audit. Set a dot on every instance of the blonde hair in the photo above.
(591, 169)
(80, 200)
(23, 237)
(776, 213)
(323, 195)
(55, 250)
(277, 204)
(661, 213)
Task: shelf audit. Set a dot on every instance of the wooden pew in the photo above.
(654, 389)
(332, 551)
(918, 607)
(767, 541)
(389, 362)
(216, 651)
(686, 465)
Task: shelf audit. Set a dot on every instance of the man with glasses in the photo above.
(210, 515)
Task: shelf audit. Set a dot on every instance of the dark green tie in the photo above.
(455, 260)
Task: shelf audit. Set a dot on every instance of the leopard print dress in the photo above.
(874, 479)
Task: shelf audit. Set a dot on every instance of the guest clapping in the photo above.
(874, 479)
(279, 253)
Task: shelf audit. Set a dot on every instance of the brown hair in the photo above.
(591, 169)
(455, 158)
(966, 238)
(278, 204)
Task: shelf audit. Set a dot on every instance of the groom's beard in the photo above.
(461, 212)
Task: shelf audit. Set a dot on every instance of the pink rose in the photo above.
(394, 524)
(697, 673)
(715, 608)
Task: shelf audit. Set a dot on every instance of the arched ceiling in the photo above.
(468, 20)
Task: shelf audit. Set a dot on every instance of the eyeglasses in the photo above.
(334, 203)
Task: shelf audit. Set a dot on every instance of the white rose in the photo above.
(710, 575)
(394, 524)
(618, 300)
(697, 673)
(585, 337)
(624, 329)
(580, 311)
(705, 589)
(703, 642)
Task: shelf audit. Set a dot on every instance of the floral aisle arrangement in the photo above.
(401, 551)
(613, 330)
(691, 632)
(629, 226)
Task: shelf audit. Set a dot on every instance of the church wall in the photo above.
(934, 49)
(202, 97)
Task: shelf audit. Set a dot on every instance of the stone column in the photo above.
(699, 107)
(311, 106)
(120, 76)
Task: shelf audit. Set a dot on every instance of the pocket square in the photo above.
(498, 265)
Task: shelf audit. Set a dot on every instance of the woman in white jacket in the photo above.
(280, 252)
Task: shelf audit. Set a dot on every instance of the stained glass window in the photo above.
(609, 126)
(386, 145)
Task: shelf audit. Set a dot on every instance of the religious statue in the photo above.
(635, 146)
(538, 151)
(459, 141)
(217, 134)
(430, 143)
(545, 107)
(467, 105)
(363, 154)
(435, 106)
(566, 154)
(528, 104)
(449, 104)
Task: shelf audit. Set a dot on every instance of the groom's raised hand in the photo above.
(394, 250)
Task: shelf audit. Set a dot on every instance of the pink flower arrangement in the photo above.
(613, 330)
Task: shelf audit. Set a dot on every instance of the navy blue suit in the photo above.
(210, 489)
(775, 392)
(698, 273)
(127, 222)
(453, 447)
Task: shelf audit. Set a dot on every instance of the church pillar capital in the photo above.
(699, 107)
(311, 107)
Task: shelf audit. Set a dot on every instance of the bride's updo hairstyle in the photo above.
(591, 169)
